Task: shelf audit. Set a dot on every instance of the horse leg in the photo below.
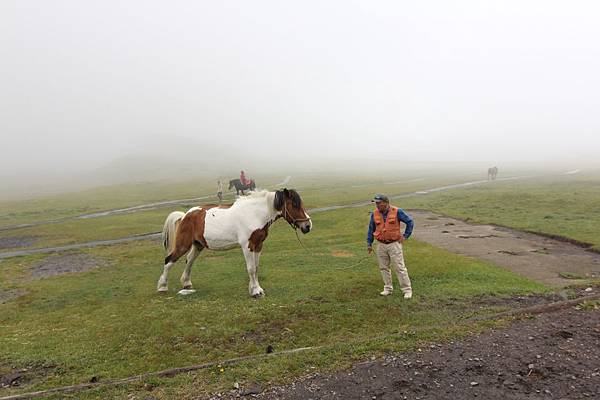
(189, 258)
(253, 286)
(181, 247)
(162, 285)
(256, 263)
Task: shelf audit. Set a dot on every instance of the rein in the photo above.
(293, 224)
(355, 264)
(299, 241)
(295, 228)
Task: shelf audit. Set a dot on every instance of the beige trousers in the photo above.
(391, 253)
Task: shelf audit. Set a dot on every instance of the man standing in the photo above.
(385, 227)
(220, 191)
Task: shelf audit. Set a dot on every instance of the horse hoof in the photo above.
(187, 287)
(258, 295)
(162, 290)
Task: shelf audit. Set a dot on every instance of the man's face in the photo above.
(382, 205)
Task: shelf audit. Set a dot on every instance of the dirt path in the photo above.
(57, 249)
(117, 211)
(129, 210)
(417, 193)
(195, 200)
(96, 243)
(551, 356)
(537, 257)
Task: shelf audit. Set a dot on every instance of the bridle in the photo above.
(294, 223)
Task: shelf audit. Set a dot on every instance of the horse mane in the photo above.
(258, 194)
(293, 195)
(296, 200)
(277, 201)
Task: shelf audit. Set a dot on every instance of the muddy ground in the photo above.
(549, 261)
(9, 294)
(551, 356)
(59, 264)
(13, 242)
(75, 246)
(13, 377)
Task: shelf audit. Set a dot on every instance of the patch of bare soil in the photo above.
(549, 260)
(551, 356)
(13, 242)
(341, 253)
(10, 294)
(11, 377)
(63, 264)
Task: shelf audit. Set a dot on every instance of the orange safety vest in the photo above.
(388, 230)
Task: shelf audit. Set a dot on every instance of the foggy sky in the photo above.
(85, 82)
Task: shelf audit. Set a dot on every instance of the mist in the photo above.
(153, 88)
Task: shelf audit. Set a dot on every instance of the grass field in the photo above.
(316, 193)
(109, 322)
(568, 206)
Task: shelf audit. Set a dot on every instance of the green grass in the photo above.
(63, 205)
(110, 323)
(315, 194)
(568, 206)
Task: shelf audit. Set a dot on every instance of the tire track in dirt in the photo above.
(117, 211)
(167, 203)
(547, 260)
(126, 210)
(76, 246)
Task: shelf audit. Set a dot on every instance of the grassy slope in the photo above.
(315, 194)
(562, 205)
(115, 325)
(109, 322)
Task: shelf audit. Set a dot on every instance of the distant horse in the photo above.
(244, 223)
(240, 187)
(492, 173)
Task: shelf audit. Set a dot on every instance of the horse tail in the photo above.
(170, 229)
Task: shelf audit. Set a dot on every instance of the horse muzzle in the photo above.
(305, 226)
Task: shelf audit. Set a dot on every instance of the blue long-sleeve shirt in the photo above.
(402, 216)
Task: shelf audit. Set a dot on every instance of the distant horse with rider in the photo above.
(242, 184)
(240, 187)
(492, 173)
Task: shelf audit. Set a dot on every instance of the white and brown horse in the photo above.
(244, 223)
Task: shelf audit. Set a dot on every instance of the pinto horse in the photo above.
(240, 187)
(244, 223)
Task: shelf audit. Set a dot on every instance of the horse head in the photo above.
(231, 183)
(289, 203)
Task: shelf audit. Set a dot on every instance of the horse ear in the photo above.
(286, 192)
(278, 203)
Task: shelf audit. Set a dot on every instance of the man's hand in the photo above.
(369, 249)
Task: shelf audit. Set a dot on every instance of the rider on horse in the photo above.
(245, 181)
